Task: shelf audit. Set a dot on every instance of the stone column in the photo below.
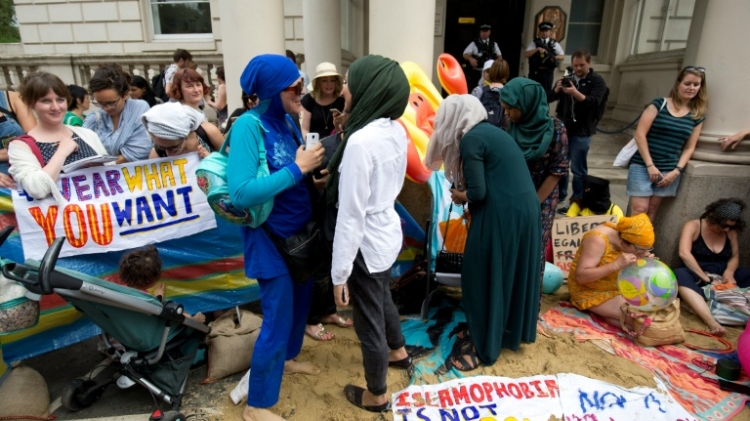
(404, 31)
(248, 28)
(322, 31)
(711, 173)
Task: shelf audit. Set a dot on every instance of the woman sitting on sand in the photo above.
(710, 254)
(603, 252)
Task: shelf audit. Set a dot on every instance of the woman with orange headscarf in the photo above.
(603, 252)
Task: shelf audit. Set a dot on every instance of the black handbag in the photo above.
(303, 252)
(448, 261)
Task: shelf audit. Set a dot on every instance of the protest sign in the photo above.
(116, 207)
(482, 398)
(567, 234)
(568, 397)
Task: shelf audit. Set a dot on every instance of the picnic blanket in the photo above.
(694, 388)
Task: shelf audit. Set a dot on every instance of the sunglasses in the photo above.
(173, 149)
(296, 88)
(694, 69)
(726, 225)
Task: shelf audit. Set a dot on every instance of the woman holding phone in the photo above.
(323, 101)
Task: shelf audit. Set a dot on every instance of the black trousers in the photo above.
(376, 322)
(544, 77)
(323, 303)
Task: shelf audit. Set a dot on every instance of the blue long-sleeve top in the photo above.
(292, 207)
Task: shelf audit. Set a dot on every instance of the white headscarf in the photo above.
(456, 115)
(172, 121)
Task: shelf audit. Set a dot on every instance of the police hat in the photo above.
(545, 26)
(485, 27)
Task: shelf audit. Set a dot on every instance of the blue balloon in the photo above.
(553, 278)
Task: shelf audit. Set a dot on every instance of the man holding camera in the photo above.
(543, 53)
(579, 96)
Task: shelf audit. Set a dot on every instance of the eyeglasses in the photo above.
(296, 88)
(171, 149)
(694, 69)
(642, 250)
(108, 105)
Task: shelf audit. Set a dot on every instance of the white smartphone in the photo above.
(312, 140)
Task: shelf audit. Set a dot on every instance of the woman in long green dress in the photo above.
(500, 273)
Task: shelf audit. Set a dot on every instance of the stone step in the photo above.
(614, 175)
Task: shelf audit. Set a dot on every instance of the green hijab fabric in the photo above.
(535, 131)
(379, 89)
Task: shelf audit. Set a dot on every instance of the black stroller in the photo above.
(151, 343)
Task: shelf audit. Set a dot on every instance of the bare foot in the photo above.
(716, 329)
(300, 367)
(259, 414)
(318, 332)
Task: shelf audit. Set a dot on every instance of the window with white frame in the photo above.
(181, 17)
(662, 25)
(584, 26)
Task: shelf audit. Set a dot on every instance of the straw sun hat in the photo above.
(322, 70)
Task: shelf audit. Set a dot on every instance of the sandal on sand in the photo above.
(321, 335)
(335, 319)
(467, 358)
(354, 395)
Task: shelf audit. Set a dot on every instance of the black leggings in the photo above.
(686, 277)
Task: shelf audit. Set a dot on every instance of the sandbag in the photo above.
(654, 328)
(24, 395)
(231, 344)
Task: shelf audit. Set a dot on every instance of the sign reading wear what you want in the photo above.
(116, 207)
(567, 234)
(567, 397)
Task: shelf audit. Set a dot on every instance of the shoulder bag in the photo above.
(626, 153)
(212, 179)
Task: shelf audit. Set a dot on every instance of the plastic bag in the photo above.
(454, 232)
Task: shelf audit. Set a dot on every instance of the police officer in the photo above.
(544, 53)
(580, 98)
(479, 52)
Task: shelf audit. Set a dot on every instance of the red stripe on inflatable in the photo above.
(195, 271)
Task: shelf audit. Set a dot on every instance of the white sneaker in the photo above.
(240, 391)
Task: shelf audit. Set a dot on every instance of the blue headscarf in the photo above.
(266, 76)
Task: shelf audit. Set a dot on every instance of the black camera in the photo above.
(569, 79)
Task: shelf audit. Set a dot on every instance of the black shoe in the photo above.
(404, 363)
(354, 395)
(563, 211)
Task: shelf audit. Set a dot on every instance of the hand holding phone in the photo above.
(311, 140)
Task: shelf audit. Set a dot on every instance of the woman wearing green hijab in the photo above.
(543, 141)
(366, 174)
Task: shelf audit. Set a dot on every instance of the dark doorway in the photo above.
(506, 18)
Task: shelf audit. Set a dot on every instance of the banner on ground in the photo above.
(567, 234)
(116, 207)
(568, 397)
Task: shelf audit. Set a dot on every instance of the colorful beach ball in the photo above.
(647, 284)
(553, 278)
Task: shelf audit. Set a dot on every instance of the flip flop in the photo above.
(354, 395)
(319, 335)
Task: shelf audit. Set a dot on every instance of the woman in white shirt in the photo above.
(367, 172)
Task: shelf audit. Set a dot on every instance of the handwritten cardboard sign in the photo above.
(567, 234)
(116, 207)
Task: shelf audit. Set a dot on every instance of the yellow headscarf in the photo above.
(637, 230)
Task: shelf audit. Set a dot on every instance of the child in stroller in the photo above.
(159, 343)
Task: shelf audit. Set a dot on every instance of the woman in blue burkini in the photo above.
(277, 83)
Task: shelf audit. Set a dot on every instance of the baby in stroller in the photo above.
(141, 269)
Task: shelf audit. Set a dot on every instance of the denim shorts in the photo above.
(640, 185)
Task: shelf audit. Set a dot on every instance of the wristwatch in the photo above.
(680, 169)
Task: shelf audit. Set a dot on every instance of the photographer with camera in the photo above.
(544, 53)
(581, 95)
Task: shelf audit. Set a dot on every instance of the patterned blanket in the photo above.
(695, 388)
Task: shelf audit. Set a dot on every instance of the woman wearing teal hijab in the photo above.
(543, 141)
(366, 175)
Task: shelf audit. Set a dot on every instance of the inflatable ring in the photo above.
(451, 75)
(416, 148)
(420, 83)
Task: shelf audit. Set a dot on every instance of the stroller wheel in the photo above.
(173, 416)
(81, 394)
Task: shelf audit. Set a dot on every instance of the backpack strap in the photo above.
(28, 140)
